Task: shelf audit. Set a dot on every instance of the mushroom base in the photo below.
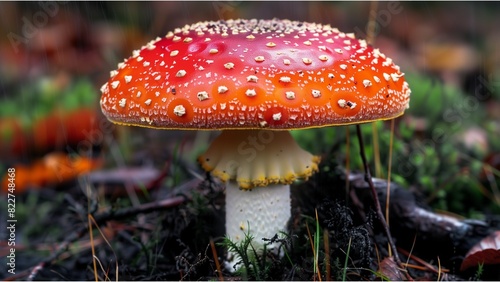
(258, 158)
(261, 213)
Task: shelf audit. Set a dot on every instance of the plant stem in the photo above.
(380, 215)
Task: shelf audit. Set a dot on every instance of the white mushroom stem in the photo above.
(260, 212)
(258, 166)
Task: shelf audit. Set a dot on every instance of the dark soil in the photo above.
(171, 241)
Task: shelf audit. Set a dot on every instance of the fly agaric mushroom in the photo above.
(255, 80)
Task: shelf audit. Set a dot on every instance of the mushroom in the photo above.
(255, 80)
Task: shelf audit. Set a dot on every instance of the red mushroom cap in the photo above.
(254, 74)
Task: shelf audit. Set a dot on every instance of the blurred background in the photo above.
(54, 57)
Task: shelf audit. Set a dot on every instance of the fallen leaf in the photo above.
(54, 168)
(390, 270)
(486, 251)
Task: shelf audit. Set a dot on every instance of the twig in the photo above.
(216, 260)
(380, 215)
(103, 218)
(426, 265)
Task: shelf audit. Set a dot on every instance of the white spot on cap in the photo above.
(104, 87)
(307, 61)
(376, 78)
(113, 73)
(308, 43)
(290, 95)
(277, 116)
(285, 79)
(367, 83)
(316, 93)
(179, 110)
(147, 102)
(180, 73)
(176, 38)
(222, 89)
(114, 84)
(250, 92)
(386, 63)
(128, 78)
(138, 95)
(286, 62)
(229, 66)
(250, 37)
(174, 53)
(187, 40)
(158, 77)
(323, 58)
(259, 58)
(338, 50)
(270, 44)
(329, 40)
(202, 95)
(213, 51)
(343, 66)
(341, 103)
(386, 76)
(330, 75)
(146, 64)
(395, 77)
(122, 102)
(252, 78)
(362, 43)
